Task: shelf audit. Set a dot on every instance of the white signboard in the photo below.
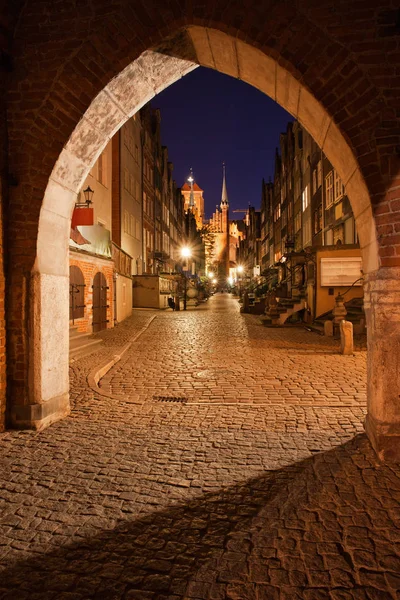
(341, 271)
(256, 271)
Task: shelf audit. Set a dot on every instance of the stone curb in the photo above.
(96, 374)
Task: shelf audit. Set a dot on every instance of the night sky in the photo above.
(208, 118)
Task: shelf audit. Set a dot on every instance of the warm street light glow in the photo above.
(190, 179)
(214, 281)
(186, 252)
(240, 268)
(211, 274)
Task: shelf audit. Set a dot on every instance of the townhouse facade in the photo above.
(308, 245)
(129, 222)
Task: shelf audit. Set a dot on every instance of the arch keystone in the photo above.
(201, 45)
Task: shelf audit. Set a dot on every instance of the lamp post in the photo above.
(185, 254)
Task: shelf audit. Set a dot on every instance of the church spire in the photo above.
(191, 180)
(224, 195)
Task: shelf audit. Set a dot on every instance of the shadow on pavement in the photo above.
(323, 528)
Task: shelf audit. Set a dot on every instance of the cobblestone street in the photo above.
(218, 459)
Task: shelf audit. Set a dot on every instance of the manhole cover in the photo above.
(180, 399)
(213, 373)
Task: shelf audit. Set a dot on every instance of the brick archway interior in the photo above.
(141, 80)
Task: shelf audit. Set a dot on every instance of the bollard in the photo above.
(346, 337)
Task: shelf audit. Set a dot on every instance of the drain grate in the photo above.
(180, 399)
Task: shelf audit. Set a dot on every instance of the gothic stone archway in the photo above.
(312, 68)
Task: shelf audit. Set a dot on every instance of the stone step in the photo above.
(77, 335)
(74, 332)
(84, 349)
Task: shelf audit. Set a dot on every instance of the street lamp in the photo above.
(88, 193)
(185, 254)
(240, 271)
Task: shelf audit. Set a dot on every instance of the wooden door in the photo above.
(99, 302)
(76, 294)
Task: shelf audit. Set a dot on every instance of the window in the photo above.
(307, 233)
(314, 181)
(318, 219)
(137, 196)
(329, 238)
(349, 231)
(137, 234)
(296, 189)
(102, 169)
(297, 222)
(126, 221)
(277, 213)
(131, 225)
(339, 187)
(284, 218)
(128, 138)
(329, 189)
(132, 185)
(305, 198)
(126, 179)
(338, 235)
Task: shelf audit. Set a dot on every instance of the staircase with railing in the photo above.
(273, 303)
(280, 308)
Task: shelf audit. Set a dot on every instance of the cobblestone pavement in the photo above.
(261, 486)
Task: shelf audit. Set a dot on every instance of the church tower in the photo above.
(224, 207)
(194, 199)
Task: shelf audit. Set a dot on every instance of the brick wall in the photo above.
(3, 201)
(346, 53)
(90, 265)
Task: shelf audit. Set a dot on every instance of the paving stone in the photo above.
(263, 485)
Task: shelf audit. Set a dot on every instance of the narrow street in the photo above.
(218, 459)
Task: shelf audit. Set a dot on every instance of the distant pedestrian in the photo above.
(171, 302)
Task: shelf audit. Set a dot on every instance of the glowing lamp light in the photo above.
(211, 274)
(230, 280)
(186, 252)
(240, 269)
(214, 281)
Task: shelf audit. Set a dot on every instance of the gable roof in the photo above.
(186, 187)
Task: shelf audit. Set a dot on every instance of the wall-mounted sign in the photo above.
(341, 271)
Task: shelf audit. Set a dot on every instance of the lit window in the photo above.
(339, 187)
(329, 189)
(305, 198)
